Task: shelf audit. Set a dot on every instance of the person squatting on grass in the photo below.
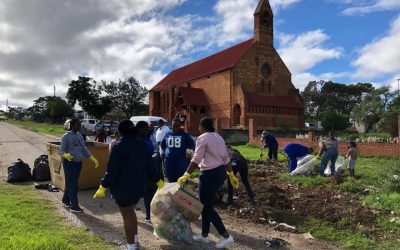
(294, 151)
(329, 148)
(352, 153)
(128, 170)
(212, 158)
(73, 150)
(174, 146)
(269, 141)
(239, 164)
(143, 132)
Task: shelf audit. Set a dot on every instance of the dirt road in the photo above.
(102, 216)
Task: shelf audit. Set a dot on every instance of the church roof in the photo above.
(217, 62)
(194, 96)
(272, 101)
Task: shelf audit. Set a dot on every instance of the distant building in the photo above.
(248, 80)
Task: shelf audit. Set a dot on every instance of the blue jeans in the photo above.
(329, 155)
(71, 172)
(210, 180)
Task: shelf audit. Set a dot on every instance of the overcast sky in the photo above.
(50, 42)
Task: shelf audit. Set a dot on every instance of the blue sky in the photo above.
(345, 41)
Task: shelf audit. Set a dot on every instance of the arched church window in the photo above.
(265, 71)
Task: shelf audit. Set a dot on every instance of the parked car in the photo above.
(66, 124)
(112, 125)
(151, 120)
(89, 124)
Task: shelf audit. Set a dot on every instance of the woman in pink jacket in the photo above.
(212, 158)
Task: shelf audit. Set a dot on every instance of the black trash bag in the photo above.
(19, 171)
(40, 159)
(41, 171)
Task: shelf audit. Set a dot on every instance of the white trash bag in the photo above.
(340, 165)
(305, 164)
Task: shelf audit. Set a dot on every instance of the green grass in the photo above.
(251, 152)
(303, 180)
(28, 221)
(46, 128)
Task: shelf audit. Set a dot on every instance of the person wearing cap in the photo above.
(294, 151)
(329, 150)
(269, 141)
(128, 169)
(212, 158)
(174, 147)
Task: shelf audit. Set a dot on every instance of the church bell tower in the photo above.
(264, 23)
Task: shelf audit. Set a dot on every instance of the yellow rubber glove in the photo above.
(95, 161)
(318, 157)
(100, 193)
(184, 178)
(233, 179)
(160, 184)
(68, 156)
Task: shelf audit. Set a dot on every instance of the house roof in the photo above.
(218, 62)
(272, 101)
(193, 96)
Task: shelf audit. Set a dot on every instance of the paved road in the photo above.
(102, 216)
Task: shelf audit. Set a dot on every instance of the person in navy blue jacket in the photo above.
(128, 171)
(269, 141)
(294, 151)
(174, 146)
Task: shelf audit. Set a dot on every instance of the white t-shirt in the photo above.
(161, 132)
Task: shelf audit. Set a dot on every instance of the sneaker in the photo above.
(147, 220)
(201, 238)
(66, 205)
(76, 210)
(134, 246)
(223, 242)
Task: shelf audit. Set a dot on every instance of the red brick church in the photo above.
(248, 80)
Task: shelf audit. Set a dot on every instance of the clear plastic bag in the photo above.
(168, 222)
(305, 164)
(340, 165)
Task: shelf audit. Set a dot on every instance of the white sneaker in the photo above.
(201, 238)
(134, 246)
(223, 242)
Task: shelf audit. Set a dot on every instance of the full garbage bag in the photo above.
(305, 164)
(167, 221)
(340, 165)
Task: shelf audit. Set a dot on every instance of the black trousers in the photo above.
(243, 170)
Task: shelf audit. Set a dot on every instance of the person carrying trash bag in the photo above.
(73, 150)
(128, 169)
(174, 147)
(294, 151)
(239, 164)
(212, 158)
(330, 151)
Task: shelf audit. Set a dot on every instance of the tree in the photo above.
(128, 96)
(389, 121)
(334, 121)
(321, 97)
(58, 109)
(373, 106)
(88, 96)
(16, 113)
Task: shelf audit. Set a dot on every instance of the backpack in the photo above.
(41, 169)
(19, 171)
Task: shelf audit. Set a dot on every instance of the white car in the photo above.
(151, 120)
(89, 124)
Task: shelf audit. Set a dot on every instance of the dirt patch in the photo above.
(279, 201)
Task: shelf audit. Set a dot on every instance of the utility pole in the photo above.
(6, 106)
(398, 87)
(54, 90)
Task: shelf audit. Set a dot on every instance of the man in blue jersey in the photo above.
(269, 141)
(294, 151)
(174, 147)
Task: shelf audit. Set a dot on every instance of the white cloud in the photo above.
(306, 50)
(364, 7)
(381, 56)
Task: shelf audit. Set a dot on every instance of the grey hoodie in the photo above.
(73, 143)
